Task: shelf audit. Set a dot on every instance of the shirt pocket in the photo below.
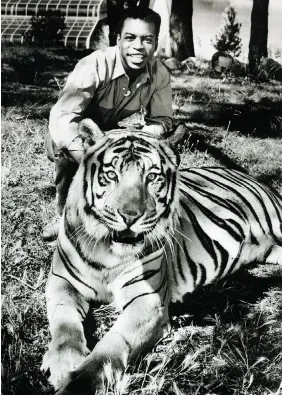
(140, 97)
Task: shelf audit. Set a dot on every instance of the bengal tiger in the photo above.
(140, 232)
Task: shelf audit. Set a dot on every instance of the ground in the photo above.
(225, 338)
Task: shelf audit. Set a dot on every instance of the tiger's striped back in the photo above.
(227, 219)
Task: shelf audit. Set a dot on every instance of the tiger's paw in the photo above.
(61, 361)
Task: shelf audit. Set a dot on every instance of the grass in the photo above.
(225, 338)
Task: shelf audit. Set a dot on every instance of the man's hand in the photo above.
(157, 130)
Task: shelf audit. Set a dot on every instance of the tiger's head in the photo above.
(126, 189)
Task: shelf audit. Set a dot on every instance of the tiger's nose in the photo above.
(130, 216)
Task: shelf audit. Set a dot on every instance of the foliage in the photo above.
(228, 39)
(47, 27)
(27, 64)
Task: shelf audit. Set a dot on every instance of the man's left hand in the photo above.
(157, 130)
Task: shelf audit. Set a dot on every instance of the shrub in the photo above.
(46, 27)
(228, 40)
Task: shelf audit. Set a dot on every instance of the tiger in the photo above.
(140, 231)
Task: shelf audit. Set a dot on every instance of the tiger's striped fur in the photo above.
(139, 232)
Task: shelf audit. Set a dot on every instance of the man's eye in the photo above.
(111, 175)
(152, 176)
(129, 38)
(148, 40)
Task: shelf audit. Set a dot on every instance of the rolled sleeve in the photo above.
(75, 98)
(160, 106)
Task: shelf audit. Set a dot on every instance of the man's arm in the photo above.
(159, 112)
(68, 111)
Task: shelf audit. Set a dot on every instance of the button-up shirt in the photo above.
(98, 88)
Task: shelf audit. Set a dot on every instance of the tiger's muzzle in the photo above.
(128, 237)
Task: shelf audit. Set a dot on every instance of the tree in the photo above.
(181, 30)
(228, 39)
(259, 34)
(46, 27)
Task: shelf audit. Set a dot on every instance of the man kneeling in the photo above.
(108, 86)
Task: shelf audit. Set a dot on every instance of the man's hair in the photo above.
(143, 13)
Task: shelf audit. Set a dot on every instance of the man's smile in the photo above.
(137, 56)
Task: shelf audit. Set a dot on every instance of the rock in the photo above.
(172, 64)
(270, 69)
(221, 62)
(193, 63)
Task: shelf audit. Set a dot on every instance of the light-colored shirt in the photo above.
(96, 89)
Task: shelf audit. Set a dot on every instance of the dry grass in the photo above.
(225, 338)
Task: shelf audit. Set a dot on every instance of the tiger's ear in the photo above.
(89, 132)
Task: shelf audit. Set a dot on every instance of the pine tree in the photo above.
(228, 39)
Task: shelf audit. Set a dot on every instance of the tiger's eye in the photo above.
(152, 176)
(111, 175)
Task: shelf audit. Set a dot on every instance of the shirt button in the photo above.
(126, 92)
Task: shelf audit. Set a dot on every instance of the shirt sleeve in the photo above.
(159, 110)
(76, 95)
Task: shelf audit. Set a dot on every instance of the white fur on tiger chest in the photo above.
(93, 280)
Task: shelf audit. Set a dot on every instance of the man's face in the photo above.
(137, 43)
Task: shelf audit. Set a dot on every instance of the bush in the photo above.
(228, 39)
(46, 27)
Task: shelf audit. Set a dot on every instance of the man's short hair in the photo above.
(143, 13)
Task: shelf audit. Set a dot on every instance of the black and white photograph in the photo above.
(141, 200)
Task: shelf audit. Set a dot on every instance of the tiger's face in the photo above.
(129, 188)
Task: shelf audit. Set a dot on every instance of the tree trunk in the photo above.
(259, 33)
(115, 9)
(181, 30)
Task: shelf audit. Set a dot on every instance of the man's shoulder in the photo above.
(107, 56)
(158, 69)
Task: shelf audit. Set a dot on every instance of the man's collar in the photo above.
(119, 70)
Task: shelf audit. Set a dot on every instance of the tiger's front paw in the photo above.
(61, 361)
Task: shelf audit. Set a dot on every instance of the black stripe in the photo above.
(145, 263)
(225, 203)
(246, 184)
(173, 258)
(272, 194)
(238, 226)
(144, 276)
(205, 240)
(60, 276)
(191, 263)
(146, 294)
(224, 257)
(70, 232)
(233, 265)
(254, 240)
(213, 218)
(212, 181)
(267, 253)
(178, 262)
(165, 294)
(245, 201)
(68, 264)
(92, 173)
(203, 274)
(82, 309)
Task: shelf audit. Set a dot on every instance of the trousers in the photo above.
(65, 169)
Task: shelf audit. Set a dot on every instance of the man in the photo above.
(109, 86)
